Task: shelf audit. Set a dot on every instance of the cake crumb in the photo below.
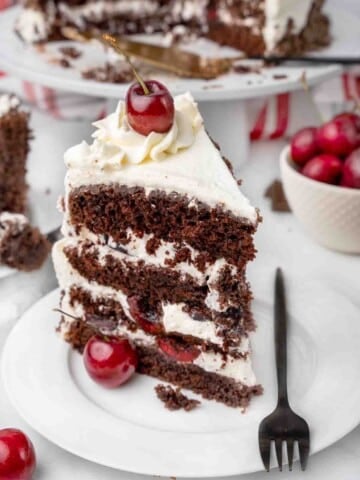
(173, 399)
(70, 52)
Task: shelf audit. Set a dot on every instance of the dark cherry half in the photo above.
(151, 110)
(146, 318)
(178, 350)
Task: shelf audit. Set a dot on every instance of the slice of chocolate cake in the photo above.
(253, 26)
(14, 147)
(157, 236)
(22, 246)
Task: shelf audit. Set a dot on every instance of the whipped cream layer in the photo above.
(184, 160)
(239, 369)
(106, 9)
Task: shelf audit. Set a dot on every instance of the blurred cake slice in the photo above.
(256, 27)
(14, 148)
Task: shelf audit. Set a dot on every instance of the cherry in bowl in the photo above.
(323, 168)
(338, 137)
(351, 170)
(304, 145)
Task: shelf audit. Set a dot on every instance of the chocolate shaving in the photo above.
(277, 196)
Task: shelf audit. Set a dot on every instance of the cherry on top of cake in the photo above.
(150, 107)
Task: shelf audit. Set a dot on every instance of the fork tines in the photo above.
(265, 451)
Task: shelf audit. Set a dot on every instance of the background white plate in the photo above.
(25, 62)
(130, 429)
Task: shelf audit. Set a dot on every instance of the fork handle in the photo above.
(281, 338)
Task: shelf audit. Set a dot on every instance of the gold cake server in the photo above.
(171, 59)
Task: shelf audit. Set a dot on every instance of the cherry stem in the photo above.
(306, 88)
(113, 43)
(64, 313)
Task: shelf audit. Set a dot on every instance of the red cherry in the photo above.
(110, 362)
(178, 350)
(150, 113)
(353, 117)
(145, 318)
(323, 168)
(17, 455)
(304, 145)
(338, 137)
(351, 170)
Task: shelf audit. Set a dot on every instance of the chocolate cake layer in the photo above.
(14, 148)
(158, 285)
(185, 375)
(113, 209)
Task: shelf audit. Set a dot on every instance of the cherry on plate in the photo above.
(178, 350)
(110, 362)
(323, 168)
(338, 137)
(17, 455)
(150, 112)
(304, 145)
(351, 170)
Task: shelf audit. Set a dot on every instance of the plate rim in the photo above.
(139, 470)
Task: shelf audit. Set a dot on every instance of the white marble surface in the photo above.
(282, 237)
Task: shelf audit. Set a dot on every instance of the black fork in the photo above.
(283, 425)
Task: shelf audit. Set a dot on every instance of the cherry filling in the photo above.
(178, 350)
(144, 315)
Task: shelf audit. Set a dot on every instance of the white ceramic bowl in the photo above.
(330, 214)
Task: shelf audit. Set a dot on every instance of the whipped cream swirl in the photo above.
(116, 144)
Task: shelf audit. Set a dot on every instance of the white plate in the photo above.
(25, 62)
(129, 428)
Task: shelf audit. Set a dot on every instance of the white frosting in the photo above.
(239, 369)
(8, 102)
(184, 161)
(32, 25)
(278, 13)
(117, 144)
